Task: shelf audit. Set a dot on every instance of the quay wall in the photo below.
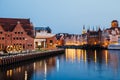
(14, 59)
(83, 47)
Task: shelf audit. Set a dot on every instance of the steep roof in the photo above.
(43, 35)
(9, 24)
(43, 29)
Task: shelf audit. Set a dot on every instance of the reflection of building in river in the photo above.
(26, 72)
(18, 73)
(44, 67)
(40, 65)
(114, 58)
(97, 56)
(89, 56)
(76, 54)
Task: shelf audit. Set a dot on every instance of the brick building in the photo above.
(16, 32)
(44, 38)
(94, 37)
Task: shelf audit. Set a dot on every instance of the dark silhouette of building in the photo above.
(94, 37)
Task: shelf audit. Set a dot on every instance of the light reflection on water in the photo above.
(75, 64)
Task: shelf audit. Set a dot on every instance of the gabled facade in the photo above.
(94, 37)
(15, 33)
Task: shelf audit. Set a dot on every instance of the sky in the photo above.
(63, 16)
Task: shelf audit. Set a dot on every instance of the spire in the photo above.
(88, 29)
(93, 28)
(99, 29)
(83, 27)
(84, 31)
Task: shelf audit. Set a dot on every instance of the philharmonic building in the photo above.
(16, 34)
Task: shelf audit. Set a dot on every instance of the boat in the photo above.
(114, 46)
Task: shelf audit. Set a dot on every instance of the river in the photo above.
(74, 64)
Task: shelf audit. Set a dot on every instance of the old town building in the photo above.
(62, 38)
(16, 33)
(44, 38)
(94, 37)
(110, 35)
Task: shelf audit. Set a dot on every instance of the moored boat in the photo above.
(114, 46)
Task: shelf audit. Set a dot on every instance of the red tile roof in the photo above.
(9, 24)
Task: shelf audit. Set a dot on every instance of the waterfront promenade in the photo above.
(14, 59)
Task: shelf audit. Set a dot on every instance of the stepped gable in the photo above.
(9, 24)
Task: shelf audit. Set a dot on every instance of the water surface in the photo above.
(75, 64)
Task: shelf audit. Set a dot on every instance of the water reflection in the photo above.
(74, 64)
(29, 71)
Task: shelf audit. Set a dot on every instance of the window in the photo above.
(1, 32)
(2, 38)
(14, 38)
(15, 32)
(23, 46)
(18, 32)
(21, 32)
(51, 41)
(20, 38)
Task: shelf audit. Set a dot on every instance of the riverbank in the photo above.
(14, 59)
(82, 47)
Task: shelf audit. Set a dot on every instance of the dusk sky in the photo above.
(67, 16)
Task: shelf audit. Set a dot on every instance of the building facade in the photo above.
(110, 35)
(44, 38)
(17, 34)
(94, 37)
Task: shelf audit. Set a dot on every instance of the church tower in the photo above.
(114, 24)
